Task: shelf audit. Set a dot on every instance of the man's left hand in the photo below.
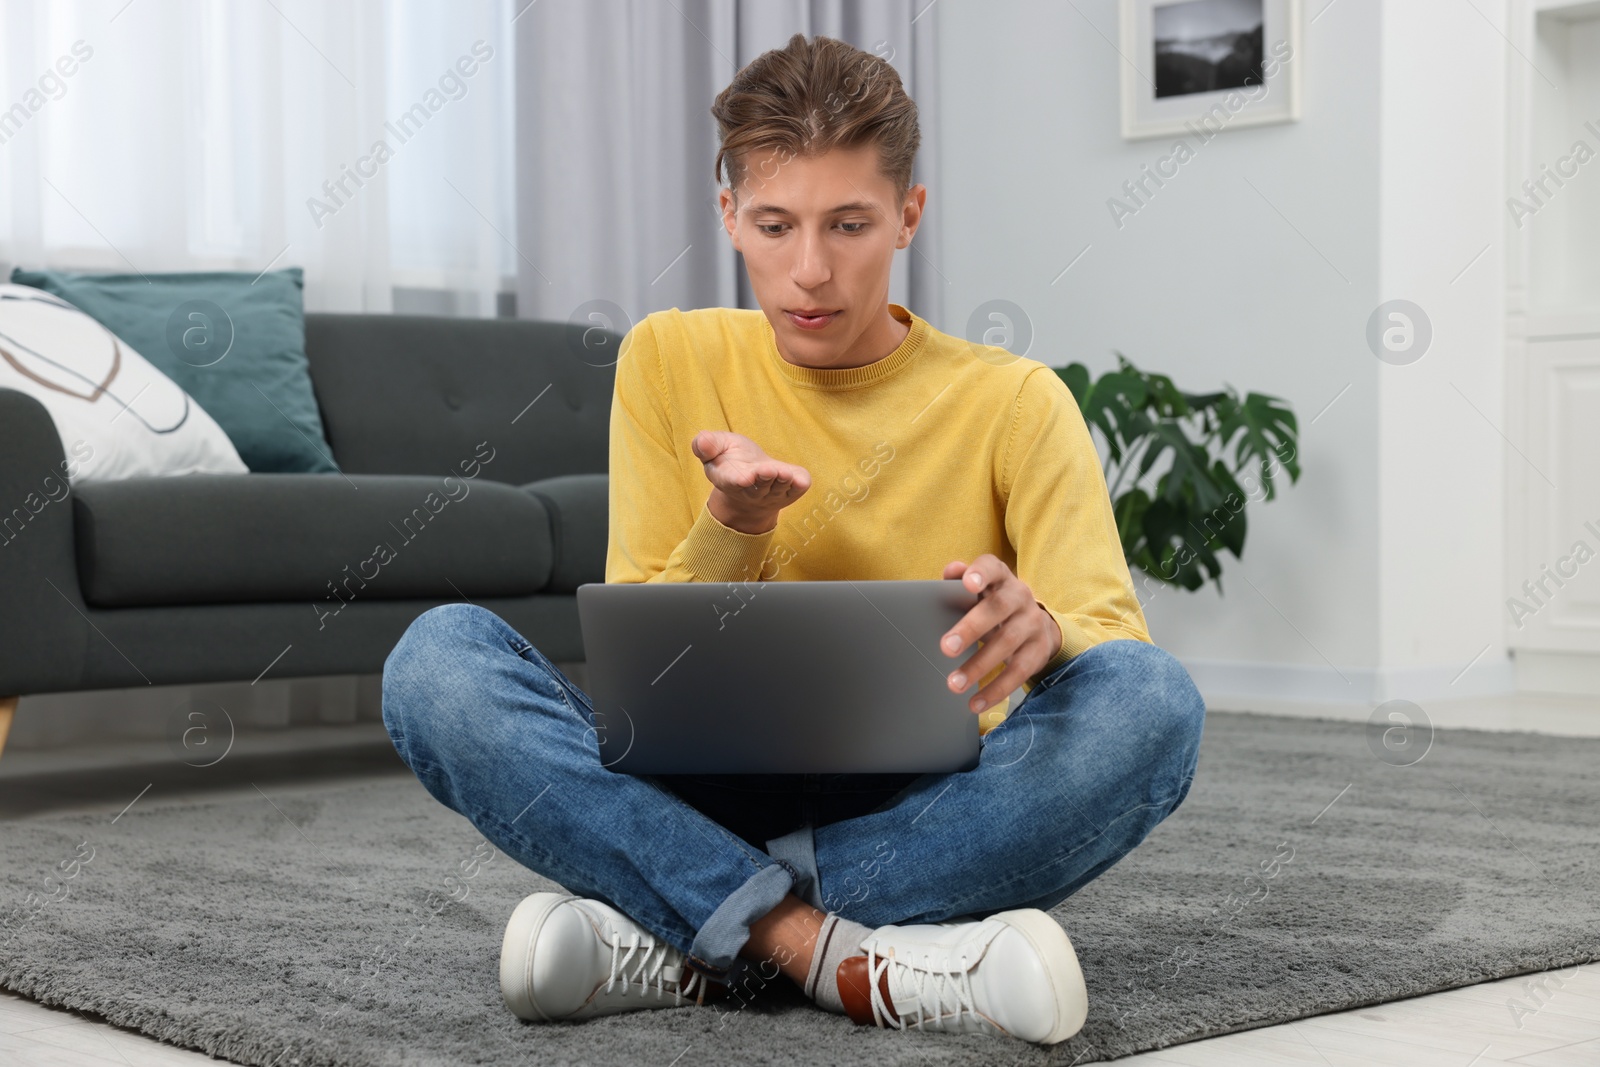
(1013, 626)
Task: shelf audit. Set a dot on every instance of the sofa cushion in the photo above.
(326, 539)
(402, 394)
(579, 508)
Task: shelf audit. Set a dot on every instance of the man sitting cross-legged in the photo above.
(829, 435)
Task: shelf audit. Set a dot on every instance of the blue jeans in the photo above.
(1099, 752)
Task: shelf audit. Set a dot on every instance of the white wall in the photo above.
(1441, 479)
(1208, 283)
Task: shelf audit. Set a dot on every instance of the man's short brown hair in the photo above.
(808, 97)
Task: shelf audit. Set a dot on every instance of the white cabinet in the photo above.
(1553, 345)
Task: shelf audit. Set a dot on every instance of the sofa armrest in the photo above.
(43, 630)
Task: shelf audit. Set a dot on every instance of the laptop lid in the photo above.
(824, 677)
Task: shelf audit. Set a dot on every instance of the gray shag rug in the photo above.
(361, 926)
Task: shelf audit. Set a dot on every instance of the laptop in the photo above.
(825, 677)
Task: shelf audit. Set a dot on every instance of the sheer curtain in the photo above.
(368, 143)
(616, 200)
(160, 135)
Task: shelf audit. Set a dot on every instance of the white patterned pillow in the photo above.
(118, 416)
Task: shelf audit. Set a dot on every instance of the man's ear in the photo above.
(730, 221)
(911, 214)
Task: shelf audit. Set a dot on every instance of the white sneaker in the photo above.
(1014, 973)
(565, 957)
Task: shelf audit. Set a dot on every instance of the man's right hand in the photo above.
(748, 487)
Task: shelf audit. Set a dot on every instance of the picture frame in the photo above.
(1202, 66)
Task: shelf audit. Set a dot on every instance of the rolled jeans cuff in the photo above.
(797, 850)
(715, 950)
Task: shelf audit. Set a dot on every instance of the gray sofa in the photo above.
(475, 450)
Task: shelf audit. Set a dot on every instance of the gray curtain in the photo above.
(616, 202)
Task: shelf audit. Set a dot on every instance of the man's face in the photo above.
(819, 235)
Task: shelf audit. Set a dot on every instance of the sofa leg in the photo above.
(8, 708)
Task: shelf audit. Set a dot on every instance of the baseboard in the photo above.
(167, 713)
(1558, 672)
(296, 741)
(1354, 687)
(1487, 676)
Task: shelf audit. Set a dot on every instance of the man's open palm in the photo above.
(747, 476)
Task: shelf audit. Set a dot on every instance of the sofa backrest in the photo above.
(416, 394)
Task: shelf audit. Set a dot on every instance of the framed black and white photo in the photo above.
(1202, 66)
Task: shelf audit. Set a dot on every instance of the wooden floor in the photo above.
(1556, 1026)
(1469, 1027)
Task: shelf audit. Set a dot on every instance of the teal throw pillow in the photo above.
(235, 342)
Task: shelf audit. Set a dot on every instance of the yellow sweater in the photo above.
(942, 450)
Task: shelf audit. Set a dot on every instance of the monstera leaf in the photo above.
(1268, 434)
(1176, 527)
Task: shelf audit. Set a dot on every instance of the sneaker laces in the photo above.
(921, 980)
(649, 970)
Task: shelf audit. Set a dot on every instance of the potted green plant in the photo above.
(1175, 529)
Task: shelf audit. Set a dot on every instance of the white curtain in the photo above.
(616, 198)
(167, 135)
